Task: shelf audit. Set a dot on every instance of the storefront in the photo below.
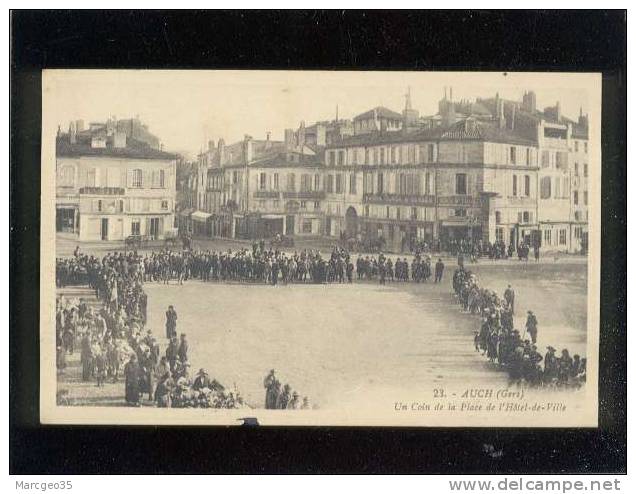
(184, 222)
(201, 224)
(67, 219)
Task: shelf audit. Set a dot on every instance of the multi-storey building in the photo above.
(110, 186)
(490, 170)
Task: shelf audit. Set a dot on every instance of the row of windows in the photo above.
(576, 146)
(546, 189)
(575, 197)
(134, 205)
(523, 217)
(383, 155)
(111, 177)
(562, 237)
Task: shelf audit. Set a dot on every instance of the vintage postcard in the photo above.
(320, 248)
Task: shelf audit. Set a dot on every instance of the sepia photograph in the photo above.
(320, 248)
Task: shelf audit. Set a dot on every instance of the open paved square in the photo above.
(344, 345)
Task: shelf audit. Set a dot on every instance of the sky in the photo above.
(187, 108)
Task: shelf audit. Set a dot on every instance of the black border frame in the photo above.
(352, 40)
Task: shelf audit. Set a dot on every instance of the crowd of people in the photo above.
(282, 397)
(501, 343)
(114, 343)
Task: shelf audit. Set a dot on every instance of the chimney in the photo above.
(512, 117)
(221, 147)
(248, 149)
(289, 139)
(72, 134)
(301, 135)
(120, 140)
(500, 113)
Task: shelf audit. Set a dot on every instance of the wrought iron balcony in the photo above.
(399, 199)
(267, 194)
(310, 195)
(103, 191)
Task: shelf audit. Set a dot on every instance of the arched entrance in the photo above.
(351, 222)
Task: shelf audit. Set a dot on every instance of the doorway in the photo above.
(289, 225)
(154, 228)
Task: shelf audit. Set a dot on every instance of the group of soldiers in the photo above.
(279, 397)
(504, 345)
(262, 265)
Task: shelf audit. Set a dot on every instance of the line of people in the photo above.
(501, 343)
(282, 397)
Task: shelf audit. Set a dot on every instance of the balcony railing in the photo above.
(266, 194)
(311, 195)
(402, 199)
(103, 191)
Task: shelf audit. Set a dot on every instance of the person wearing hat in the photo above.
(171, 322)
(201, 381)
(549, 365)
(182, 352)
(509, 297)
(531, 326)
(284, 397)
(439, 270)
(272, 389)
(164, 390)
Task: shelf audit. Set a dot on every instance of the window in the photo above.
(316, 204)
(528, 156)
(576, 169)
(575, 197)
(352, 183)
(460, 212)
(557, 187)
(577, 232)
(366, 156)
(585, 170)
(431, 153)
(341, 156)
(99, 205)
(306, 226)
(164, 205)
(547, 237)
(427, 184)
(546, 188)
(497, 217)
(585, 146)
(382, 156)
(499, 235)
(262, 204)
(121, 205)
(339, 184)
(526, 185)
(135, 227)
(375, 156)
(562, 236)
(303, 204)
(316, 182)
(366, 210)
(305, 182)
(91, 177)
(67, 176)
(158, 179)
(514, 185)
(388, 212)
(291, 182)
(275, 181)
(513, 155)
(526, 217)
(276, 203)
(380, 183)
(330, 183)
(460, 184)
(585, 198)
(235, 177)
(137, 178)
(576, 146)
(413, 213)
(262, 182)
(577, 216)
(393, 155)
(398, 213)
(545, 159)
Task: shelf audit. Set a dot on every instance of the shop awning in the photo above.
(186, 212)
(200, 216)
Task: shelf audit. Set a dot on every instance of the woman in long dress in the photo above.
(132, 372)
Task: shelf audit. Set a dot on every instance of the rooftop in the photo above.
(133, 149)
(381, 112)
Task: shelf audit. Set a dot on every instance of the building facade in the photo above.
(492, 170)
(110, 186)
